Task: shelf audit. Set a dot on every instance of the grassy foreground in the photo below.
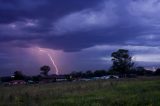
(126, 92)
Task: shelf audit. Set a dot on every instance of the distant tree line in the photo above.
(122, 65)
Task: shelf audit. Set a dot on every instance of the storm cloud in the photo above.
(75, 26)
(58, 24)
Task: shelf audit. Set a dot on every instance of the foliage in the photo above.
(157, 72)
(122, 61)
(89, 74)
(141, 71)
(99, 73)
(18, 75)
(44, 70)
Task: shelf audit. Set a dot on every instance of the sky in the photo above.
(78, 34)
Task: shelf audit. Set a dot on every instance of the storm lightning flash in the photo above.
(51, 58)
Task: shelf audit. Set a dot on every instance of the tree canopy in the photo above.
(18, 75)
(44, 70)
(122, 61)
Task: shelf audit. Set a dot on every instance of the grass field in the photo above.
(124, 92)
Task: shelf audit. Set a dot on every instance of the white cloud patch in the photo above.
(146, 10)
(147, 57)
(87, 19)
(18, 27)
(106, 58)
(148, 37)
(128, 47)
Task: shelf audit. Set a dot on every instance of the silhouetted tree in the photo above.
(44, 70)
(69, 77)
(99, 73)
(37, 78)
(149, 73)
(140, 70)
(112, 72)
(6, 79)
(18, 75)
(122, 61)
(76, 74)
(157, 72)
(89, 74)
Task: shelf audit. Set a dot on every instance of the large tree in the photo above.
(44, 70)
(122, 61)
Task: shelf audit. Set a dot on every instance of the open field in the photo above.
(124, 92)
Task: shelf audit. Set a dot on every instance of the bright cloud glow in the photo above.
(87, 19)
(146, 10)
(147, 57)
(129, 47)
(31, 23)
(148, 37)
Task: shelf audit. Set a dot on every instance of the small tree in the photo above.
(122, 61)
(157, 72)
(44, 70)
(18, 75)
(89, 74)
(99, 73)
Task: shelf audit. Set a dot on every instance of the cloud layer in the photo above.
(54, 24)
(80, 27)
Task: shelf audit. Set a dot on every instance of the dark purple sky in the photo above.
(78, 34)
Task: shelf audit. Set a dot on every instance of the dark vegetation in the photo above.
(44, 70)
(134, 86)
(122, 66)
(142, 91)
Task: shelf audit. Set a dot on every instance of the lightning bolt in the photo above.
(51, 58)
